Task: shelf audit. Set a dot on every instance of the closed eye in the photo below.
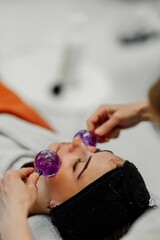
(79, 160)
(89, 159)
(85, 167)
(75, 165)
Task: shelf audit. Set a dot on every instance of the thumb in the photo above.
(32, 179)
(106, 127)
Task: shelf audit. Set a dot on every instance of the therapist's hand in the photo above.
(108, 120)
(18, 192)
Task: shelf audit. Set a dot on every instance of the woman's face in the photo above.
(80, 165)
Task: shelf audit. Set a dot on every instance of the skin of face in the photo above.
(55, 190)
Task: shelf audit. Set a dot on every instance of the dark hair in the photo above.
(105, 207)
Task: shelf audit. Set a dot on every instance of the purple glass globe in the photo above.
(47, 163)
(88, 138)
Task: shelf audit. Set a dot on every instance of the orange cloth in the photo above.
(13, 104)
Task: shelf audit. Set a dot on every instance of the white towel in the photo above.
(19, 142)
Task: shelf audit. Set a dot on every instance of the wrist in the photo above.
(144, 111)
(15, 226)
(12, 216)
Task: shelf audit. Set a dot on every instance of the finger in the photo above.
(32, 179)
(97, 118)
(114, 133)
(106, 127)
(91, 123)
(24, 172)
(103, 140)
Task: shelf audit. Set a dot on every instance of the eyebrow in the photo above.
(105, 150)
(88, 161)
(85, 167)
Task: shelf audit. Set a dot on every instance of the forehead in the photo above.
(106, 155)
(107, 160)
(100, 163)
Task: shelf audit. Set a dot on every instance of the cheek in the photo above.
(64, 187)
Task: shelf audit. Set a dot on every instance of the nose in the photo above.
(78, 141)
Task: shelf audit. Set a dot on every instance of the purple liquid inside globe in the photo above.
(47, 163)
(88, 138)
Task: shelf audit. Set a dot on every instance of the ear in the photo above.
(53, 204)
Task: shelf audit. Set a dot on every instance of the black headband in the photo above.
(113, 200)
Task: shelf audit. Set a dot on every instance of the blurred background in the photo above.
(67, 57)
